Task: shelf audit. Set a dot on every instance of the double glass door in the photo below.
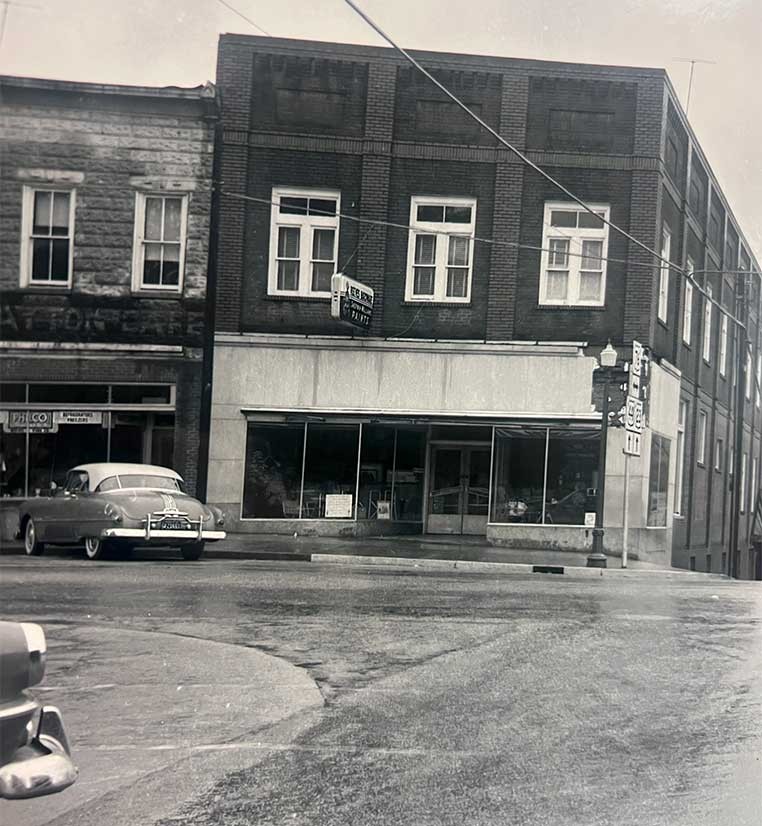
(459, 494)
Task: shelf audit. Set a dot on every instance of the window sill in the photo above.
(140, 293)
(706, 361)
(662, 322)
(416, 302)
(47, 288)
(576, 308)
(322, 299)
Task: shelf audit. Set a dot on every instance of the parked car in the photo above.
(112, 506)
(35, 758)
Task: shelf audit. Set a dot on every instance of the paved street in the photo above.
(243, 692)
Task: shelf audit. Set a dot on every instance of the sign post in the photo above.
(633, 423)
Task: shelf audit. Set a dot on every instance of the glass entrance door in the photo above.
(459, 494)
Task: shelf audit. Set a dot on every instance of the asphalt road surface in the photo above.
(227, 692)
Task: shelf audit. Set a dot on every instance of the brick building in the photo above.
(469, 405)
(105, 199)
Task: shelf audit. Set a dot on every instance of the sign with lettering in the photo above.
(37, 421)
(79, 417)
(633, 419)
(632, 443)
(338, 505)
(351, 301)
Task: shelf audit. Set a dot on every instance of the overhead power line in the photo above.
(244, 17)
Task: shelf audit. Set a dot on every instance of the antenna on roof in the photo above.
(693, 61)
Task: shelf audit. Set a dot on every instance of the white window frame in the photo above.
(27, 238)
(688, 305)
(575, 236)
(138, 248)
(307, 224)
(742, 506)
(754, 471)
(666, 249)
(758, 382)
(723, 345)
(443, 231)
(681, 418)
(718, 445)
(731, 460)
(749, 374)
(701, 450)
(706, 341)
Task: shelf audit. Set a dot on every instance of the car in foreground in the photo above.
(35, 758)
(116, 507)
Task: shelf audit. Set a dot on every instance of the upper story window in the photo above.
(666, 248)
(440, 249)
(575, 246)
(304, 234)
(723, 344)
(159, 249)
(688, 306)
(706, 348)
(47, 236)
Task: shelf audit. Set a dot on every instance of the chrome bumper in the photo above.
(157, 533)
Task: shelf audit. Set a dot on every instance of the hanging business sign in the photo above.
(351, 301)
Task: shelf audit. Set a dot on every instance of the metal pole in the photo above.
(626, 508)
(597, 559)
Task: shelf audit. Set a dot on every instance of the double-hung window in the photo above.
(159, 249)
(666, 249)
(47, 236)
(440, 249)
(304, 235)
(707, 340)
(723, 344)
(688, 306)
(573, 264)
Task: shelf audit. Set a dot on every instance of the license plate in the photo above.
(173, 524)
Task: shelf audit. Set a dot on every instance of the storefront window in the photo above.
(657, 482)
(571, 478)
(51, 455)
(68, 393)
(12, 464)
(543, 474)
(273, 471)
(376, 468)
(408, 474)
(518, 475)
(330, 470)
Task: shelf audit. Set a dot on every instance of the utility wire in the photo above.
(244, 17)
(519, 154)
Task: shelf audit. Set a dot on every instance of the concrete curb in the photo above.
(472, 566)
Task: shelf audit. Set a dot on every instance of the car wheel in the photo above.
(32, 545)
(95, 547)
(192, 551)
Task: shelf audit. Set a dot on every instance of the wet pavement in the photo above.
(444, 698)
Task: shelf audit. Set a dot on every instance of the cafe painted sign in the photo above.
(101, 319)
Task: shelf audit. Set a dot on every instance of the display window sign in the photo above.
(78, 417)
(338, 505)
(36, 421)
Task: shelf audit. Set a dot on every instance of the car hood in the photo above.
(137, 502)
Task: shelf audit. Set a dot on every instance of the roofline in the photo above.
(321, 48)
(203, 92)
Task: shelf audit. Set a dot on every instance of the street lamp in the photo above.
(597, 559)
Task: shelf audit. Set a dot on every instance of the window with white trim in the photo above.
(159, 249)
(573, 263)
(754, 471)
(47, 236)
(701, 447)
(440, 249)
(688, 305)
(304, 241)
(666, 247)
(707, 340)
(758, 383)
(718, 445)
(723, 345)
(749, 375)
(742, 506)
(682, 416)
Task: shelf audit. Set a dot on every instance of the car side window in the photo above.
(77, 482)
(109, 483)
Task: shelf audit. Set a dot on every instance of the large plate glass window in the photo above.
(304, 241)
(160, 231)
(573, 263)
(440, 249)
(658, 480)
(47, 237)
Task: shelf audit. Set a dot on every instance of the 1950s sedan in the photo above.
(115, 507)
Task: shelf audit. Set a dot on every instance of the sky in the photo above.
(173, 42)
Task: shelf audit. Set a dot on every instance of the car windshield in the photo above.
(140, 480)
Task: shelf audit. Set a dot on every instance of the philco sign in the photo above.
(37, 421)
(351, 301)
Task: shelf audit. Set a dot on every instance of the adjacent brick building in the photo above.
(105, 203)
(469, 406)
